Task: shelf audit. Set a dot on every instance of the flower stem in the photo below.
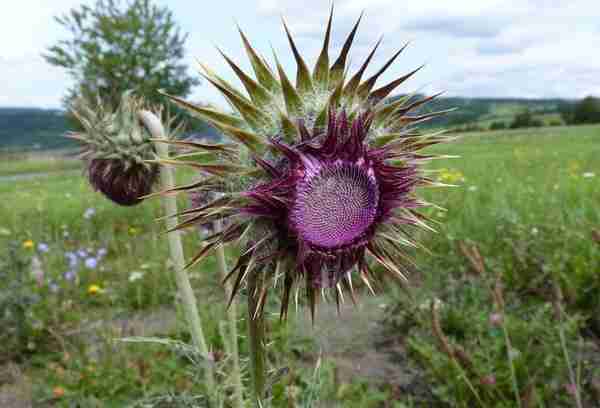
(190, 308)
(256, 345)
(232, 322)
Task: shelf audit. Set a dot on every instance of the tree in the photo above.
(116, 47)
(524, 120)
(497, 125)
(587, 111)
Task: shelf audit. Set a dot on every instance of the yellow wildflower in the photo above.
(28, 244)
(94, 289)
(450, 176)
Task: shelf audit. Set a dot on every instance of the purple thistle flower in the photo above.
(321, 178)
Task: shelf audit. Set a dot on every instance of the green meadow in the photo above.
(502, 306)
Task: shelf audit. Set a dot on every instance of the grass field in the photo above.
(525, 204)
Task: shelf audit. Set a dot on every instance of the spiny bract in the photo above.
(116, 150)
(321, 178)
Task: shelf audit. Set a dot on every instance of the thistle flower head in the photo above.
(320, 180)
(115, 149)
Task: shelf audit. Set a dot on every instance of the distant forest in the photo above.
(43, 129)
(33, 129)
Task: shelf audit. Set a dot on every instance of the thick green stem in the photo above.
(232, 323)
(256, 342)
(167, 181)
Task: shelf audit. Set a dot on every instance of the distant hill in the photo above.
(42, 129)
(31, 128)
(483, 112)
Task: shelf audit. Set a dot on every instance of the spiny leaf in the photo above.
(212, 74)
(263, 74)
(416, 104)
(258, 93)
(293, 102)
(321, 119)
(218, 169)
(352, 85)
(380, 94)
(253, 116)
(208, 114)
(289, 130)
(404, 120)
(339, 66)
(367, 86)
(251, 140)
(382, 114)
(223, 147)
(321, 72)
(303, 80)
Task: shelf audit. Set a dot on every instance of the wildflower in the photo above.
(322, 180)
(488, 380)
(102, 252)
(116, 148)
(72, 259)
(42, 247)
(53, 287)
(571, 389)
(4, 231)
(37, 272)
(472, 188)
(451, 176)
(70, 275)
(89, 213)
(534, 231)
(91, 263)
(132, 231)
(82, 253)
(496, 319)
(28, 244)
(94, 289)
(58, 392)
(588, 174)
(135, 276)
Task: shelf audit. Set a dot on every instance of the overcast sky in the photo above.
(518, 48)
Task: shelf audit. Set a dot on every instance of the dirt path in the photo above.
(355, 342)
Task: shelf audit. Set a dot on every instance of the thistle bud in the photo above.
(116, 147)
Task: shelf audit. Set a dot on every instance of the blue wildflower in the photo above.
(70, 275)
(91, 263)
(42, 247)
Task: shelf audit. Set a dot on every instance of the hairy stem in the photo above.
(232, 323)
(190, 308)
(256, 341)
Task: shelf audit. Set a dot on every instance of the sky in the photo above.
(483, 48)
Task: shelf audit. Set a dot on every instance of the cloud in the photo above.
(533, 48)
(458, 26)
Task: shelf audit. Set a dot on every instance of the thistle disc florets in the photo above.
(321, 178)
(116, 148)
